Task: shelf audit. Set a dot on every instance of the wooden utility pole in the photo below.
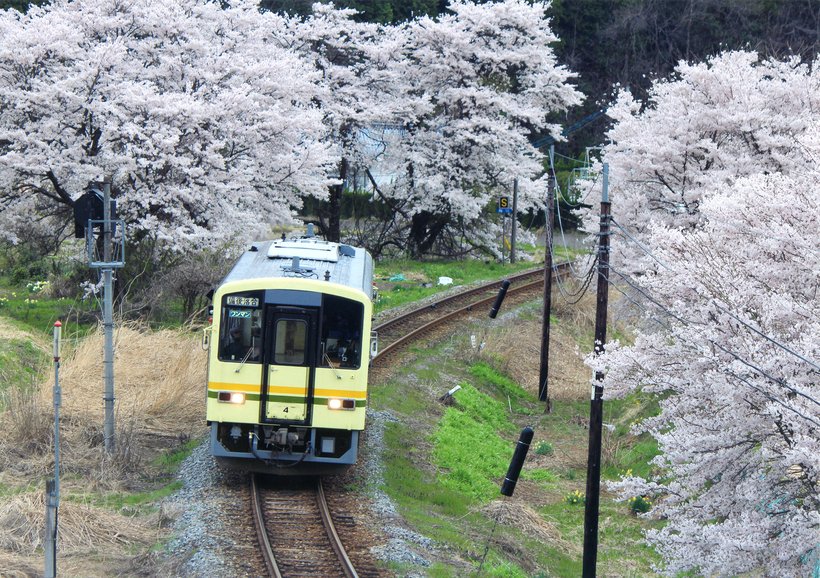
(543, 374)
(596, 408)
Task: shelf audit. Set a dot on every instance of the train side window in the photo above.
(291, 341)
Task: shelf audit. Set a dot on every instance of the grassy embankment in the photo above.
(444, 463)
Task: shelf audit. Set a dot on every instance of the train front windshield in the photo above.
(241, 336)
(241, 328)
(341, 329)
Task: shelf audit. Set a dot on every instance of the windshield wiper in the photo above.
(244, 359)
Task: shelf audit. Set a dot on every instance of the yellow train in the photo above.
(288, 357)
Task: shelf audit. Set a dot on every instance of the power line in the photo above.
(766, 337)
(770, 397)
(726, 371)
(573, 159)
(776, 380)
(580, 203)
(573, 298)
(741, 321)
(641, 245)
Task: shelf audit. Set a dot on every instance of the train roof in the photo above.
(306, 258)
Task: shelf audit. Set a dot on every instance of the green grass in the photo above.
(421, 277)
(163, 466)
(468, 448)
(29, 307)
(169, 462)
(21, 363)
(127, 503)
(441, 481)
(419, 274)
(503, 388)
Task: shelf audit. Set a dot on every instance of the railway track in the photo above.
(395, 334)
(297, 533)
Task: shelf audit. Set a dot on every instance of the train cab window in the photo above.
(341, 332)
(290, 341)
(240, 336)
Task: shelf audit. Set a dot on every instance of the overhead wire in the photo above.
(724, 371)
(738, 319)
(641, 245)
(587, 275)
(766, 337)
(777, 380)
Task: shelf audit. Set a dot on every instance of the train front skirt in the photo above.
(283, 451)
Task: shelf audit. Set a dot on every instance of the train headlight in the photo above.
(231, 397)
(337, 403)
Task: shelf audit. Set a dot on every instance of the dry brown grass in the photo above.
(82, 528)
(568, 376)
(9, 331)
(517, 514)
(159, 379)
(159, 388)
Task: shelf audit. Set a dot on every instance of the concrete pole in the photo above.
(108, 322)
(53, 486)
(543, 373)
(514, 221)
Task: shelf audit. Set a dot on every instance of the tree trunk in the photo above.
(425, 229)
(334, 205)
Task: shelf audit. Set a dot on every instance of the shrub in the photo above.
(544, 449)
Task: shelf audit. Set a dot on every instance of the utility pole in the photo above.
(95, 219)
(108, 321)
(503, 235)
(596, 408)
(543, 374)
(53, 486)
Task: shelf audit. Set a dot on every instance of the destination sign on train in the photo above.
(243, 301)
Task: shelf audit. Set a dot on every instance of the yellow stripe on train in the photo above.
(296, 391)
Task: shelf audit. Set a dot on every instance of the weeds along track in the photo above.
(398, 333)
(298, 534)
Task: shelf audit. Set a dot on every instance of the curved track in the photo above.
(295, 529)
(398, 332)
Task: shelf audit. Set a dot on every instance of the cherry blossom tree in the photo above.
(716, 218)
(205, 125)
(347, 92)
(474, 84)
(701, 129)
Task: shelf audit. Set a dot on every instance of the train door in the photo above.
(287, 390)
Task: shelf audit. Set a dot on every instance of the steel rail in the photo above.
(333, 536)
(559, 270)
(480, 289)
(261, 531)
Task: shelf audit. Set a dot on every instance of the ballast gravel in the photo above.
(200, 546)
